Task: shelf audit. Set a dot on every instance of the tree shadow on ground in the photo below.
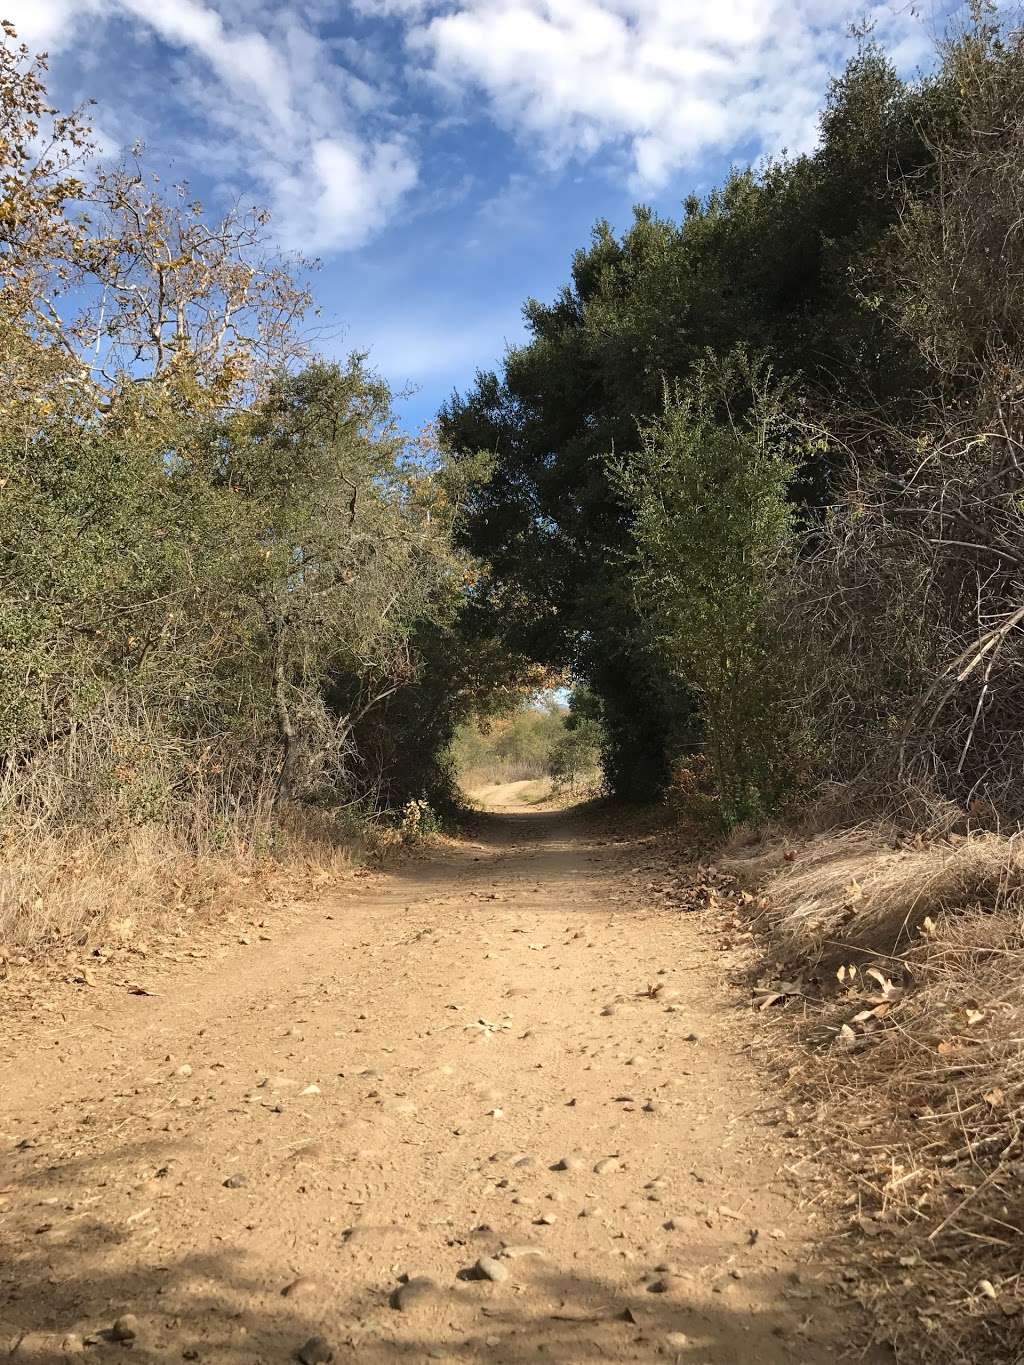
(69, 1267)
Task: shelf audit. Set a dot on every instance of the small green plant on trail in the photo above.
(419, 821)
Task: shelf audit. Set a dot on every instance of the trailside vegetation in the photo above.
(760, 467)
(222, 563)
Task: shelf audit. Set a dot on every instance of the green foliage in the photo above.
(419, 820)
(575, 757)
(765, 262)
(510, 747)
(807, 610)
(221, 556)
(221, 572)
(708, 493)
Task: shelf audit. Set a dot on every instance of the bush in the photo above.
(707, 492)
(574, 759)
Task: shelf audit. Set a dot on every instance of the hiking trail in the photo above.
(495, 1069)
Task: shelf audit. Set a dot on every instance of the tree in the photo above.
(764, 261)
(708, 493)
(219, 555)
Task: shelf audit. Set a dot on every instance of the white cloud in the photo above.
(294, 125)
(348, 185)
(298, 112)
(42, 24)
(665, 81)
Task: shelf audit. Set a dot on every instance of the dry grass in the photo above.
(497, 771)
(118, 828)
(910, 1069)
(868, 891)
(81, 887)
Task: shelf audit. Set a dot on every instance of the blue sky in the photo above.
(444, 158)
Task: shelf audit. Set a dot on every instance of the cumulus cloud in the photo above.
(289, 120)
(663, 81)
(294, 98)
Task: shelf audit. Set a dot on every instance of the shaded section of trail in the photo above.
(392, 1082)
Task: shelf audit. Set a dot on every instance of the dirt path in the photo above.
(468, 1024)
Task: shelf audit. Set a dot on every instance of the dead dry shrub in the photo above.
(868, 891)
(121, 826)
(907, 1066)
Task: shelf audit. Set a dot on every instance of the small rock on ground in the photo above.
(419, 1290)
(316, 1351)
(300, 1288)
(125, 1328)
(487, 1268)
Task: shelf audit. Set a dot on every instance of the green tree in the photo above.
(708, 496)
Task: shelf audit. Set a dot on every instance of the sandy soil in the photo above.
(501, 1052)
(512, 795)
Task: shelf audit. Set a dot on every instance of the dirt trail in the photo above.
(468, 1023)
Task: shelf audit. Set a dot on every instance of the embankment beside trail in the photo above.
(889, 985)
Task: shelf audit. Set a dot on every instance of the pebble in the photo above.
(276, 1084)
(516, 1253)
(414, 1293)
(301, 1288)
(568, 1163)
(606, 1165)
(125, 1328)
(487, 1268)
(316, 1351)
(547, 1219)
(665, 1284)
(679, 1341)
(236, 1182)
